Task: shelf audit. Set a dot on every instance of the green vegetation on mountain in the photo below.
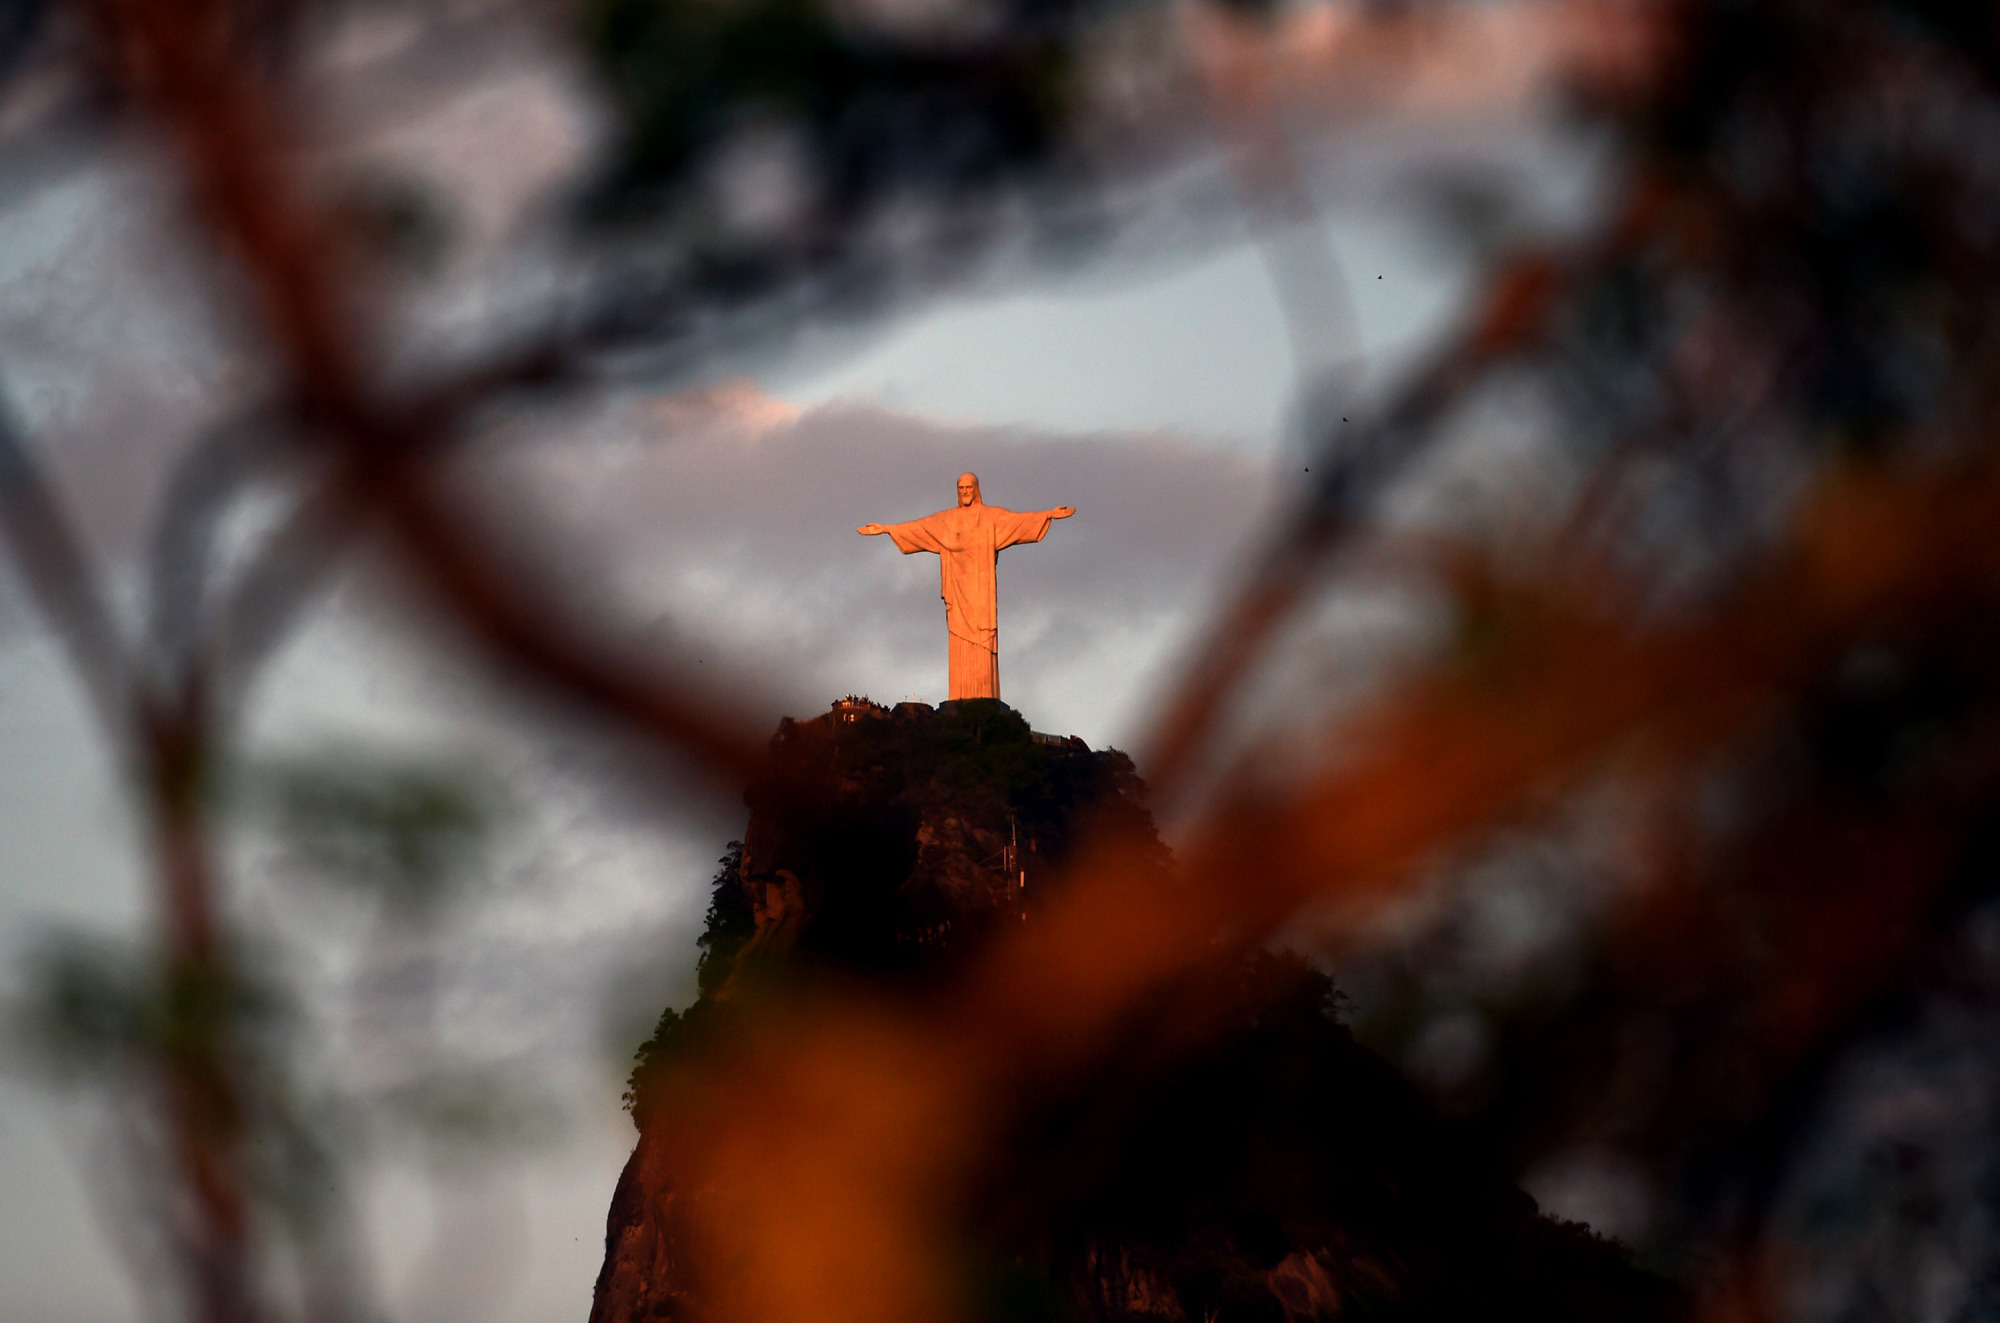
(1231, 1153)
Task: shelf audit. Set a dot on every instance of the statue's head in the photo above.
(968, 489)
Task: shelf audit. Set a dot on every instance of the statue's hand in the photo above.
(1062, 512)
(870, 530)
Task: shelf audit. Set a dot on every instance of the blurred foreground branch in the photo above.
(1746, 308)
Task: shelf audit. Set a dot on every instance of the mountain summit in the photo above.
(1230, 1154)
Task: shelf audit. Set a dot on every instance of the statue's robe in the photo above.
(968, 540)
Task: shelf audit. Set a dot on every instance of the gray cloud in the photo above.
(734, 516)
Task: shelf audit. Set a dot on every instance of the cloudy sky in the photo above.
(1154, 393)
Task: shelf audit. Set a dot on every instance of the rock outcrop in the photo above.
(1267, 1168)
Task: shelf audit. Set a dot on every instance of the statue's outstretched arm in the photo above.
(913, 536)
(1060, 512)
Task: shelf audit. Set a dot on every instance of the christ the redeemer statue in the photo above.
(968, 540)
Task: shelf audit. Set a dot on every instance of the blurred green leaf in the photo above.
(407, 830)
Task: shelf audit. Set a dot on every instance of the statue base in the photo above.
(973, 705)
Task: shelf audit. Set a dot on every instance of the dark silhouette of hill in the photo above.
(1231, 1154)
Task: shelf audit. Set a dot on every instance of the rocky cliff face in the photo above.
(1276, 1171)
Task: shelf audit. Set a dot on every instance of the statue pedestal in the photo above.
(973, 705)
